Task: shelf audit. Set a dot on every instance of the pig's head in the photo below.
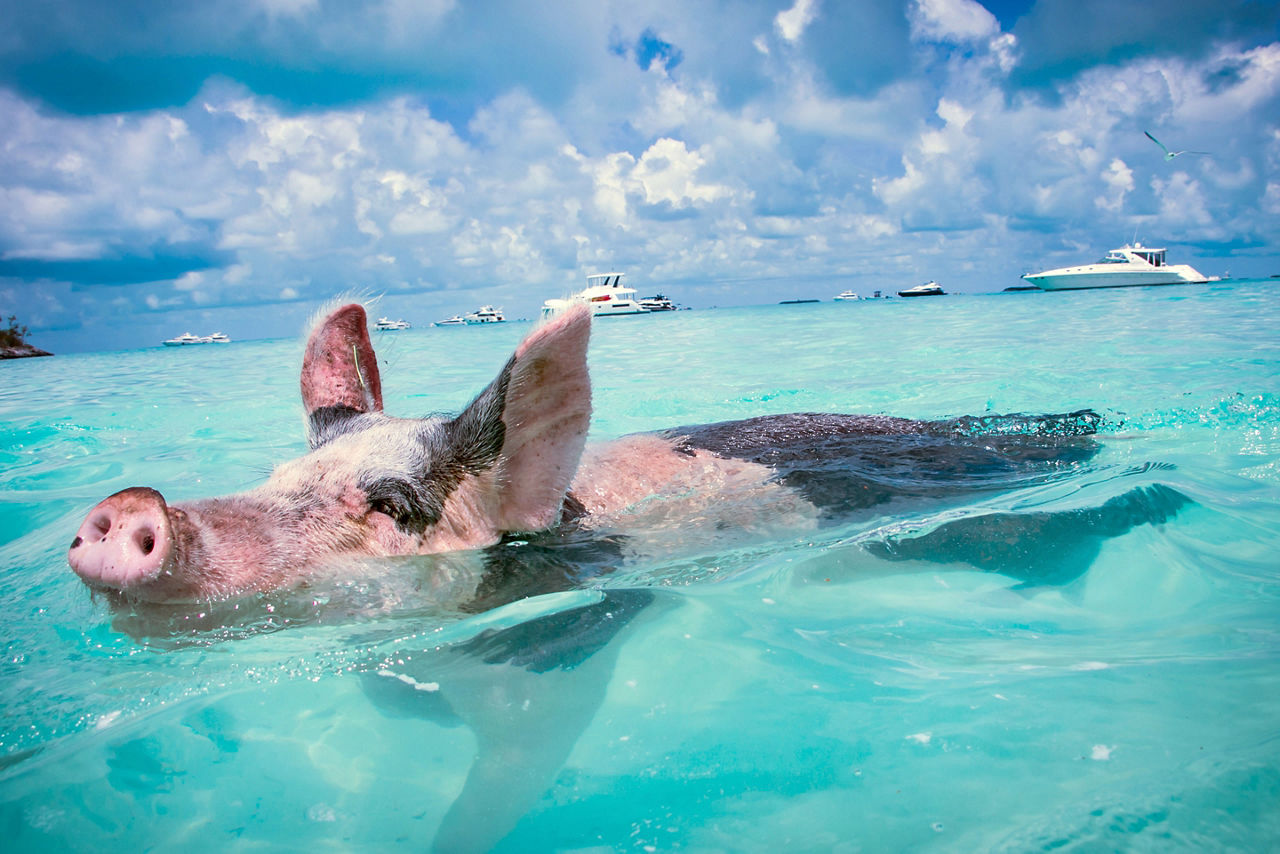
(371, 485)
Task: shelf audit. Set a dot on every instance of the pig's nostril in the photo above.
(146, 541)
(77, 542)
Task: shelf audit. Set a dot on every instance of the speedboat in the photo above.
(1126, 267)
(219, 338)
(657, 302)
(386, 324)
(485, 314)
(928, 289)
(606, 295)
(184, 339)
(847, 295)
(456, 320)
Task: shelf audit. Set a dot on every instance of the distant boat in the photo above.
(386, 324)
(456, 320)
(797, 301)
(606, 295)
(657, 302)
(928, 289)
(186, 339)
(1129, 266)
(847, 295)
(485, 314)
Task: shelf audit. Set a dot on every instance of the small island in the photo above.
(13, 344)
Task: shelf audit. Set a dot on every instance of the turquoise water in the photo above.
(798, 693)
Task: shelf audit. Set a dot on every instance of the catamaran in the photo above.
(606, 295)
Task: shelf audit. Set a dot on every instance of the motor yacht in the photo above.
(485, 314)
(1129, 266)
(928, 289)
(185, 339)
(657, 302)
(386, 324)
(606, 295)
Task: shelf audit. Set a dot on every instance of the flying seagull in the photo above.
(1169, 155)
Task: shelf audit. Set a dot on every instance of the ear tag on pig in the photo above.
(339, 369)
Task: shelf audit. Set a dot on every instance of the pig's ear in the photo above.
(339, 370)
(530, 425)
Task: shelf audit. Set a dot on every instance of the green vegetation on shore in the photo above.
(13, 341)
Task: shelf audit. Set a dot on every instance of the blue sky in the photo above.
(232, 164)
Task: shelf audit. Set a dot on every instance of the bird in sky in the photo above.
(1169, 155)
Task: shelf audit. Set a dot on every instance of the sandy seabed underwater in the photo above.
(797, 692)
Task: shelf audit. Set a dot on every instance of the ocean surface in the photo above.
(1085, 662)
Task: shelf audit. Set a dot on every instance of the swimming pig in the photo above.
(516, 460)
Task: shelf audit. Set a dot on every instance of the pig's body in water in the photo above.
(508, 501)
(514, 468)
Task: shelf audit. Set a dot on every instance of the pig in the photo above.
(516, 461)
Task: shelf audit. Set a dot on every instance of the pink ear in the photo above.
(339, 368)
(547, 413)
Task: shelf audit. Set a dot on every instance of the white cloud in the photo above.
(678, 173)
(1182, 202)
(952, 21)
(791, 23)
(188, 281)
(1118, 179)
(287, 8)
(668, 172)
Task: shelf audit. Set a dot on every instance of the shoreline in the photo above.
(23, 351)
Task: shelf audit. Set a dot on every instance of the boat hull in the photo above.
(598, 309)
(1070, 280)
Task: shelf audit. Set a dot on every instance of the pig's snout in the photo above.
(125, 541)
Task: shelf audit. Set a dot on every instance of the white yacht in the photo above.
(1128, 266)
(928, 289)
(219, 338)
(485, 314)
(386, 324)
(606, 295)
(657, 302)
(456, 320)
(846, 295)
(184, 339)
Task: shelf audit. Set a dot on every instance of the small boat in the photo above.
(606, 295)
(485, 314)
(219, 338)
(456, 320)
(386, 324)
(185, 339)
(847, 295)
(928, 289)
(657, 302)
(1129, 266)
(797, 301)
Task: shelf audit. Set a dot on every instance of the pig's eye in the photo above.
(386, 507)
(411, 511)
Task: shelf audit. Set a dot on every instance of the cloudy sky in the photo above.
(231, 164)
